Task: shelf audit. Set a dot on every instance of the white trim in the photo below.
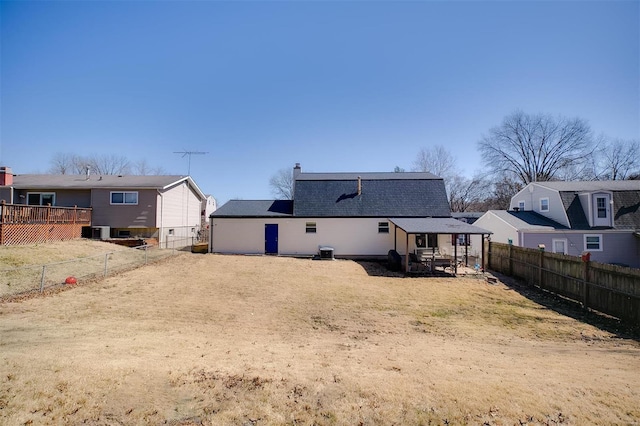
(521, 205)
(601, 248)
(548, 205)
(566, 245)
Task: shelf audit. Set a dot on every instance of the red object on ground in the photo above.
(71, 280)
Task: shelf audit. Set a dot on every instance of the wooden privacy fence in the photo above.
(22, 224)
(610, 289)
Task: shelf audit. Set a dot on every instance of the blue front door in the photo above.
(271, 238)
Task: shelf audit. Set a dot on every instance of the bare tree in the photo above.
(110, 165)
(437, 160)
(465, 193)
(619, 159)
(62, 164)
(143, 168)
(536, 147)
(281, 184)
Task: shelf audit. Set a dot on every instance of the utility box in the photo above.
(101, 232)
(326, 253)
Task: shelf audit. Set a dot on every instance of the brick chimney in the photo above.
(6, 176)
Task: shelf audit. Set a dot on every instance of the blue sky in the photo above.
(333, 85)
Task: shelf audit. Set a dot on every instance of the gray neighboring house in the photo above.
(356, 215)
(599, 217)
(168, 208)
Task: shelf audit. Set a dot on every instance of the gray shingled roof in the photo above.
(596, 185)
(440, 225)
(94, 181)
(627, 209)
(42, 181)
(575, 212)
(382, 195)
(367, 176)
(527, 220)
(255, 208)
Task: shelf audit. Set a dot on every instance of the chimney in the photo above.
(296, 171)
(359, 185)
(6, 176)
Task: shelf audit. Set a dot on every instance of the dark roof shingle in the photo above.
(382, 195)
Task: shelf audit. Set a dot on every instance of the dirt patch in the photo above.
(209, 339)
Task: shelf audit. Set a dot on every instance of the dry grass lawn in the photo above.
(209, 339)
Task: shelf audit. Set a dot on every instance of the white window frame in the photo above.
(600, 245)
(564, 240)
(383, 227)
(124, 198)
(521, 205)
(41, 194)
(604, 208)
(541, 208)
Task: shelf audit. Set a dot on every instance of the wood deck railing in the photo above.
(23, 214)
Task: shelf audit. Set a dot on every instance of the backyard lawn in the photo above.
(248, 340)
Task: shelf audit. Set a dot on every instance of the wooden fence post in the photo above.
(585, 280)
(540, 264)
(510, 270)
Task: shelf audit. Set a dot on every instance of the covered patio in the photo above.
(436, 226)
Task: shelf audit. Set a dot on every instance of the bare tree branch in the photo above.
(281, 184)
(537, 147)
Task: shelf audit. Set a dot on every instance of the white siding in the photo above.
(179, 212)
(348, 237)
(532, 202)
(502, 231)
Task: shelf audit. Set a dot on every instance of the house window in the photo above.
(125, 234)
(544, 204)
(593, 242)
(41, 198)
(559, 246)
(601, 205)
(124, 198)
(521, 205)
(462, 240)
(310, 228)
(383, 227)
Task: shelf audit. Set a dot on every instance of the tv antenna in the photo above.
(189, 153)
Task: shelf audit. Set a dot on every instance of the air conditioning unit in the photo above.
(100, 232)
(326, 253)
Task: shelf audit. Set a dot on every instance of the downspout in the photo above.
(161, 227)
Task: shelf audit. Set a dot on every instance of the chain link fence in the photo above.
(40, 278)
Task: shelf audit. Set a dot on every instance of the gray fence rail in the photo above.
(38, 278)
(610, 289)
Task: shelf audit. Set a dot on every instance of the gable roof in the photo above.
(41, 181)
(527, 220)
(382, 195)
(590, 186)
(255, 208)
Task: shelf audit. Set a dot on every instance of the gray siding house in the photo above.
(168, 208)
(599, 217)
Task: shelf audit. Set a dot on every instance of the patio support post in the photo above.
(455, 254)
(406, 254)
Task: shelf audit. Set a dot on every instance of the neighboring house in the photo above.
(164, 207)
(355, 215)
(599, 217)
(209, 205)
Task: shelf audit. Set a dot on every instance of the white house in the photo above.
(355, 215)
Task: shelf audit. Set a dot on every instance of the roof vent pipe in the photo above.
(359, 185)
